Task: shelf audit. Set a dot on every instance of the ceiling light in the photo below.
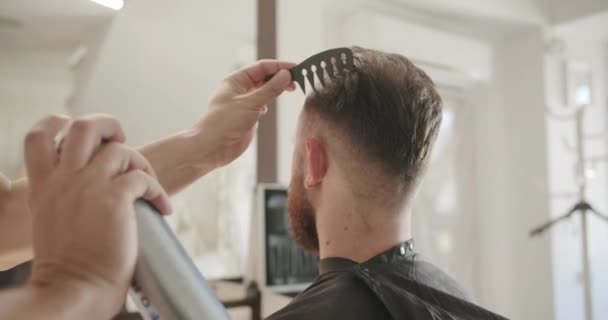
(112, 4)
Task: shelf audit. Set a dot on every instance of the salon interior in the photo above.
(514, 203)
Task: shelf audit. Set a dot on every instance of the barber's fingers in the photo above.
(84, 137)
(40, 151)
(138, 184)
(272, 89)
(248, 76)
(115, 158)
(291, 87)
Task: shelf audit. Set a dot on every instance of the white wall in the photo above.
(526, 262)
(154, 68)
(32, 84)
(300, 34)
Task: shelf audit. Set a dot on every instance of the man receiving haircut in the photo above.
(362, 147)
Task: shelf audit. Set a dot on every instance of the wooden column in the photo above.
(267, 153)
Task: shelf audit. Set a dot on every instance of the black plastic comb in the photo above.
(327, 65)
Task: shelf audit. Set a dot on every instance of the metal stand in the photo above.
(582, 207)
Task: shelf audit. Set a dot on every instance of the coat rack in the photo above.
(582, 206)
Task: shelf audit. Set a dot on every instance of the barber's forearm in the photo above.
(180, 159)
(67, 302)
(15, 226)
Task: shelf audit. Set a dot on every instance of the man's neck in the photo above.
(359, 230)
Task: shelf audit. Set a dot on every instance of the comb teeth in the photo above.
(330, 63)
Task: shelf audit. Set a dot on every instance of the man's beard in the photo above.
(302, 215)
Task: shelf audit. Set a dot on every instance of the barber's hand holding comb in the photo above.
(238, 104)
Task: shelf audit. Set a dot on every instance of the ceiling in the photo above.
(518, 11)
(49, 24)
(488, 22)
(581, 27)
(494, 18)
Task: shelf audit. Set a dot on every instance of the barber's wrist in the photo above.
(203, 149)
(66, 296)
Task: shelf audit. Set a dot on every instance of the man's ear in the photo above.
(317, 162)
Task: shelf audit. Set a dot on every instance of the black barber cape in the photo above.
(391, 285)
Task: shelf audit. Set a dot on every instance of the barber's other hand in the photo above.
(81, 200)
(236, 107)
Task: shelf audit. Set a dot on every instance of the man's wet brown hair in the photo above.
(389, 109)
